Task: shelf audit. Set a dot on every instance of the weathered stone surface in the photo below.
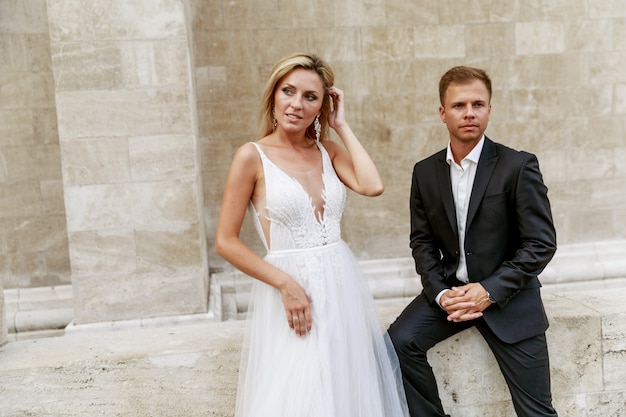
(3, 318)
(188, 366)
(100, 98)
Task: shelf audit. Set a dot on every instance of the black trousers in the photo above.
(524, 365)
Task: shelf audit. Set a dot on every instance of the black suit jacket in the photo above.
(510, 235)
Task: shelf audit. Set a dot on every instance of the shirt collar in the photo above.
(473, 156)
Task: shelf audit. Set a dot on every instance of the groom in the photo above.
(481, 233)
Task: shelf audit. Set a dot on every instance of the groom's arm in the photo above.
(422, 240)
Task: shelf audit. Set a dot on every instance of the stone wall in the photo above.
(559, 91)
(118, 120)
(33, 231)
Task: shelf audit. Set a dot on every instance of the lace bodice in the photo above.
(293, 223)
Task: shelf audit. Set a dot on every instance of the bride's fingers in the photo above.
(301, 323)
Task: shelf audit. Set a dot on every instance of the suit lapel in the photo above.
(484, 171)
(445, 190)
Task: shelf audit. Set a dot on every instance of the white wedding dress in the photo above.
(346, 365)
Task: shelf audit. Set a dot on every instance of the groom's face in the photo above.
(466, 110)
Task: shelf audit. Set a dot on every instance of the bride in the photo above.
(314, 346)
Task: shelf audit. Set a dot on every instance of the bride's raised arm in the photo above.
(353, 164)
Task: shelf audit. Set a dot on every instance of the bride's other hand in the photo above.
(297, 308)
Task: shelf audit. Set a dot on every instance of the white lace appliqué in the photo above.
(292, 216)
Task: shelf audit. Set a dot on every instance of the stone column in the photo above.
(127, 127)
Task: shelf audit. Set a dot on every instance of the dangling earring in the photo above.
(318, 128)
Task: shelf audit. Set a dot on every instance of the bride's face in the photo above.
(298, 99)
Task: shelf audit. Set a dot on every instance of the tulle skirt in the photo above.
(346, 365)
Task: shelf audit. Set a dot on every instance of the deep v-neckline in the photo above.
(318, 214)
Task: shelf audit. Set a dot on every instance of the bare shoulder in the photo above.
(333, 148)
(247, 154)
(246, 162)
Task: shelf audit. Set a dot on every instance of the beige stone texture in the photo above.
(188, 366)
(4, 334)
(87, 65)
(556, 81)
(93, 252)
(118, 119)
(123, 112)
(440, 41)
(33, 235)
(114, 296)
(125, 109)
(115, 20)
(533, 38)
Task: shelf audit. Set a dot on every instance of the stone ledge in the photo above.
(586, 340)
(190, 367)
(38, 312)
(574, 267)
(48, 311)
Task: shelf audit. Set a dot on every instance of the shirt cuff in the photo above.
(438, 297)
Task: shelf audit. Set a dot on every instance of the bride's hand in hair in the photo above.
(337, 117)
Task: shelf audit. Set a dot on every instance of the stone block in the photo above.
(580, 360)
(24, 163)
(179, 246)
(606, 8)
(605, 68)
(104, 160)
(38, 53)
(13, 56)
(478, 13)
(501, 36)
(45, 126)
(340, 45)
(16, 127)
(214, 117)
(411, 13)
(24, 17)
(26, 90)
(359, 13)
(115, 19)
(92, 252)
(589, 35)
(108, 113)
(387, 44)
(533, 38)
(130, 205)
(620, 99)
(440, 41)
(113, 297)
(87, 65)
(163, 157)
(155, 63)
(52, 197)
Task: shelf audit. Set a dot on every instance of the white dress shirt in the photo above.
(462, 178)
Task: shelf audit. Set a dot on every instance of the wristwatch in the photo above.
(490, 298)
